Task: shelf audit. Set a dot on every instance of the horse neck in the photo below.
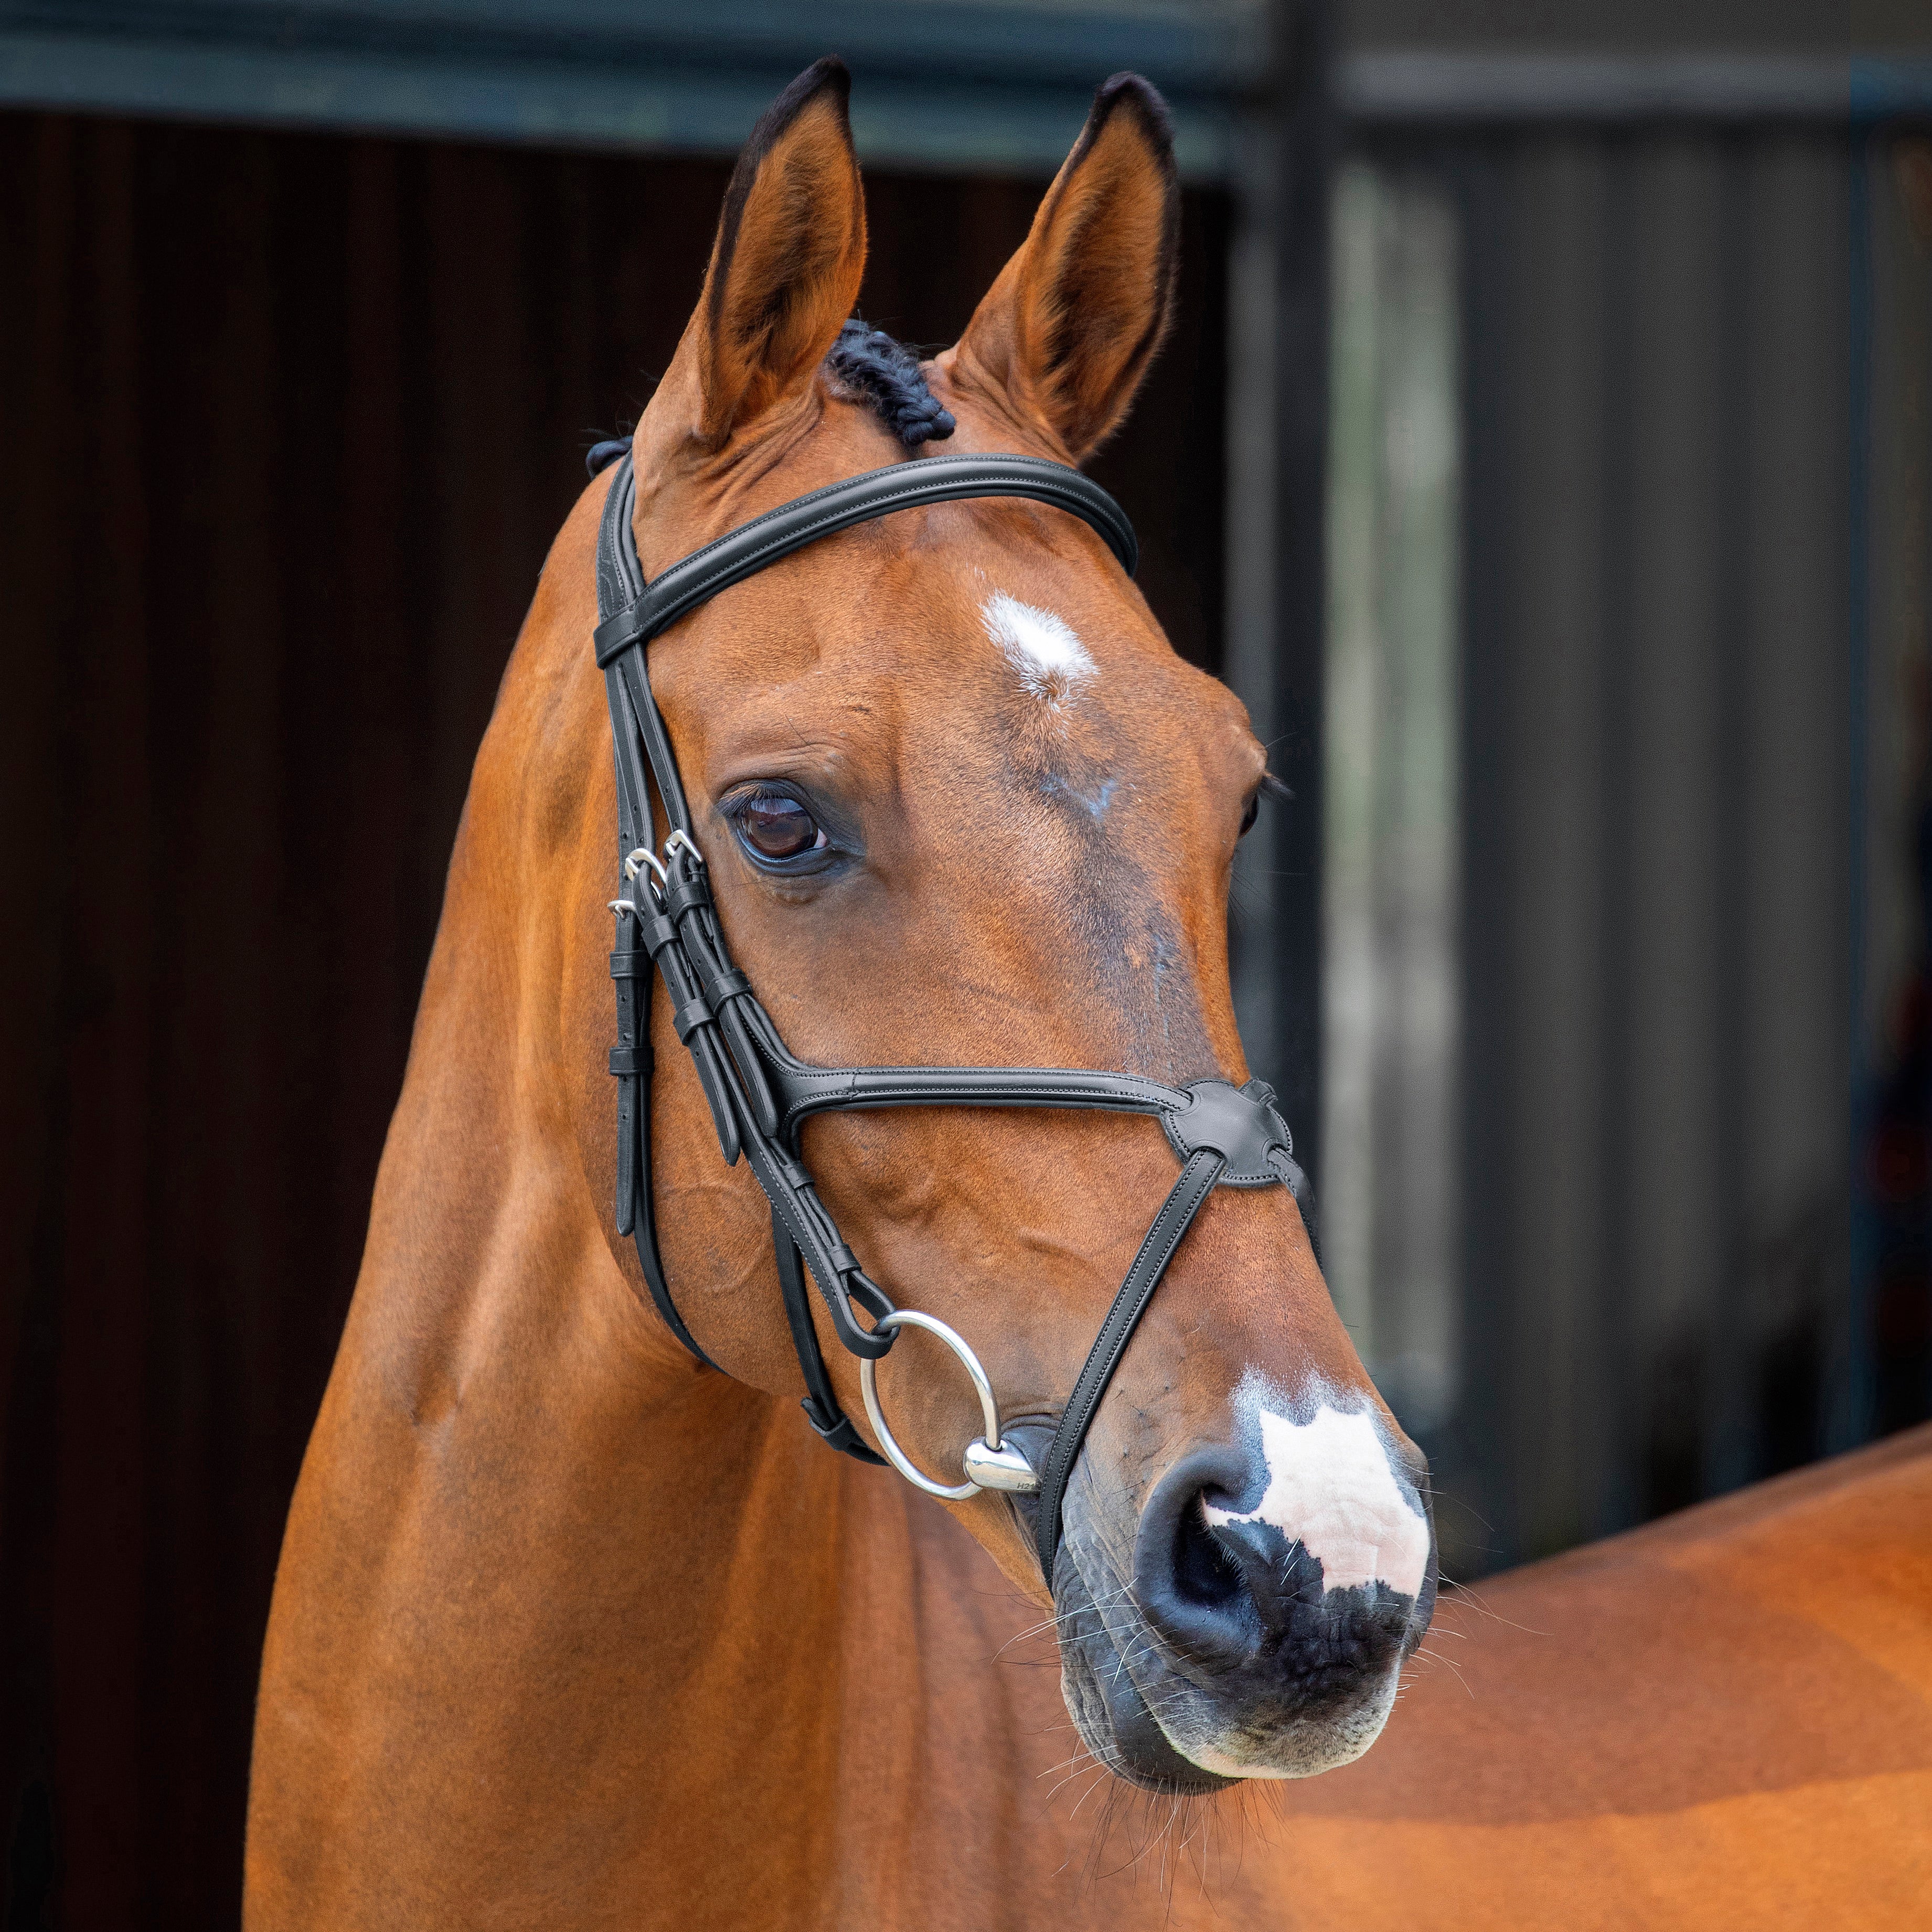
(523, 1501)
(561, 1619)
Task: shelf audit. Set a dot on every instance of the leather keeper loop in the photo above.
(689, 1017)
(618, 633)
(682, 895)
(719, 987)
(630, 1062)
(635, 964)
(656, 931)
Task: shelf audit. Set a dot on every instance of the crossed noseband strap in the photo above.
(760, 1096)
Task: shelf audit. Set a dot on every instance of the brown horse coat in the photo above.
(571, 1632)
(1722, 1720)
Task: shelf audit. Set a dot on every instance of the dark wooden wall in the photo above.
(286, 423)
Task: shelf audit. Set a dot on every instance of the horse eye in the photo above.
(1248, 816)
(777, 828)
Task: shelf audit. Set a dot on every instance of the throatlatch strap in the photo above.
(1176, 1215)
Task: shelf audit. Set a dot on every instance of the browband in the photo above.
(743, 552)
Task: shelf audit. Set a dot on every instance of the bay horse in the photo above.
(571, 1631)
(577, 1625)
(1721, 1721)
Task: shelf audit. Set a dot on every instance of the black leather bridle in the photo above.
(760, 1096)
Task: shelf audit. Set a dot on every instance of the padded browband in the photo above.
(745, 551)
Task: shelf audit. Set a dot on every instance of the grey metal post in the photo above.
(1277, 443)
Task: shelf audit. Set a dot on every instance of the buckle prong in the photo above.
(643, 856)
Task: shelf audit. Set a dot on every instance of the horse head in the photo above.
(962, 804)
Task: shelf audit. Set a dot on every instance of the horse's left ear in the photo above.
(1065, 335)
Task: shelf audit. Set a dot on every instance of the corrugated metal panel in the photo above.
(1664, 792)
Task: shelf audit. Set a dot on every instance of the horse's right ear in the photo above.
(787, 264)
(1064, 338)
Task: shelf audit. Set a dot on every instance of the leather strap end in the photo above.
(627, 1157)
(841, 1435)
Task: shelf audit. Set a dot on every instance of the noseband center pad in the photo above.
(1239, 1123)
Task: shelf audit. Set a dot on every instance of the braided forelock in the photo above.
(867, 365)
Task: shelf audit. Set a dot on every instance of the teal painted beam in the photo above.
(972, 88)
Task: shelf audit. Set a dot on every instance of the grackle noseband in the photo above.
(761, 1096)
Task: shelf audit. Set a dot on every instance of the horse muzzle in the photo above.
(1274, 1595)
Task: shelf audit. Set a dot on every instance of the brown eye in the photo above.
(777, 828)
(1248, 817)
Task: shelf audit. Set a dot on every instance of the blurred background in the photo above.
(1544, 453)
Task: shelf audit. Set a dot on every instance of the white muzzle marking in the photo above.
(1331, 1488)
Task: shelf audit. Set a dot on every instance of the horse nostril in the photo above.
(1205, 1572)
(1310, 1609)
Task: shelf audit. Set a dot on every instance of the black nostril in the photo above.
(1205, 1574)
(1231, 1592)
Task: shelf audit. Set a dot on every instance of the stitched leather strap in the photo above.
(806, 1089)
(743, 552)
(820, 1405)
(1176, 1215)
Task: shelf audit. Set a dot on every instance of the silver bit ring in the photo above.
(988, 1454)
